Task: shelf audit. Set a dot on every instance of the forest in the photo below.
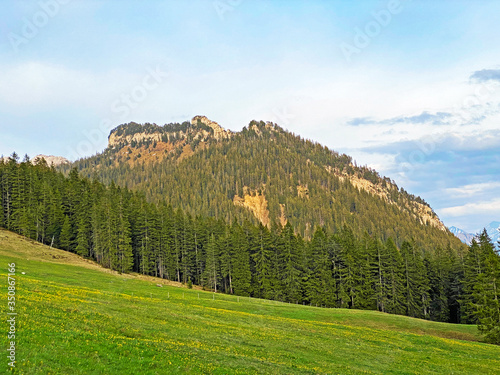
(121, 230)
(304, 182)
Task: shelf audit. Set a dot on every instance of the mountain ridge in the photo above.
(56, 161)
(493, 230)
(462, 235)
(298, 178)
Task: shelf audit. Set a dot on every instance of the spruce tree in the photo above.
(65, 238)
(291, 265)
(486, 291)
(242, 276)
(394, 277)
(211, 274)
(262, 256)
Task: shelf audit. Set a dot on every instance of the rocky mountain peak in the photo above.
(56, 161)
(219, 131)
(51, 160)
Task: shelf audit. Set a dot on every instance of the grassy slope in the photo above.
(75, 317)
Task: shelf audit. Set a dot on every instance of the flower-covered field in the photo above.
(75, 318)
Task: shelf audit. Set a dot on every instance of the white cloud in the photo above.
(472, 189)
(470, 209)
(38, 85)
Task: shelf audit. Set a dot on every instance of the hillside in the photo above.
(77, 317)
(264, 174)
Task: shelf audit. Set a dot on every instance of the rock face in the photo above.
(51, 160)
(424, 213)
(219, 131)
(283, 219)
(116, 140)
(156, 133)
(302, 191)
(255, 202)
(151, 143)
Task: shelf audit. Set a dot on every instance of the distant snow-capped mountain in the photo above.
(462, 235)
(50, 159)
(492, 228)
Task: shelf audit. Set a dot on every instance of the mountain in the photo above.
(262, 174)
(56, 161)
(465, 237)
(493, 230)
(52, 160)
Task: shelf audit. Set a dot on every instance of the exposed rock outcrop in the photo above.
(116, 140)
(255, 202)
(51, 160)
(424, 213)
(219, 131)
(302, 191)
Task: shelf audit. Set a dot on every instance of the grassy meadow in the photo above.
(75, 317)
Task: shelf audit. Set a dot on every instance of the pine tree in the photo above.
(211, 274)
(188, 252)
(379, 271)
(346, 268)
(487, 293)
(486, 290)
(65, 238)
(262, 256)
(165, 227)
(168, 234)
(291, 267)
(84, 235)
(242, 276)
(365, 282)
(321, 289)
(474, 265)
(395, 277)
(439, 269)
(226, 257)
(122, 257)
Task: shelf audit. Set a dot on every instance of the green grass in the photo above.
(77, 318)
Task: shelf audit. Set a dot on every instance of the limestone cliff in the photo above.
(418, 210)
(116, 140)
(219, 131)
(51, 160)
(150, 142)
(255, 202)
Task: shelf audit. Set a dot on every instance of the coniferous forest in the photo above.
(123, 231)
(303, 182)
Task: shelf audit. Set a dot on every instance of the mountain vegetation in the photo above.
(262, 174)
(123, 231)
(75, 317)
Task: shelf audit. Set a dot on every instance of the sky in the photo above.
(410, 88)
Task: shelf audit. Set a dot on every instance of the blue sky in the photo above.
(411, 88)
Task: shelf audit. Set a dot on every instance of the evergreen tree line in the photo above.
(267, 160)
(122, 231)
